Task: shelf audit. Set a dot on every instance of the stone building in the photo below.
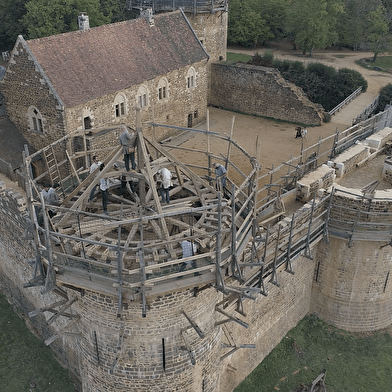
(96, 77)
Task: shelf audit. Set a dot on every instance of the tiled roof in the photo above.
(84, 65)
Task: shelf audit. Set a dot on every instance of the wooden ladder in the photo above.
(51, 164)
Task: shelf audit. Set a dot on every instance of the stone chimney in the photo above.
(83, 21)
(147, 13)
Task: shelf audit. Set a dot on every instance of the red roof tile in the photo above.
(84, 65)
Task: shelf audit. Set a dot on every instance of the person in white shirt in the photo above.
(166, 183)
(94, 166)
(104, 188)
(128, 142)
(188, 249)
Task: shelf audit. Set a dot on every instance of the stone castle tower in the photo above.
(208, 19)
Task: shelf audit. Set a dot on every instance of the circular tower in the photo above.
(208, 19)
(352, 284)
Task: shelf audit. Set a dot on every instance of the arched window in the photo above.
(120, 106)
(163, 89)
(191, 78)
(142, 96)
(36, 123)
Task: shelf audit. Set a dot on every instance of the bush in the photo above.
(321, 83)
(385, 98)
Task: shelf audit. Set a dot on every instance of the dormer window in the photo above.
(142, 97)
(191, 78)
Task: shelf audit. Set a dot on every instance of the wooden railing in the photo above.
(346, 101)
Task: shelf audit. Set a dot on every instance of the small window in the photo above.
(119, 105)
(120, 109)
(191, 78)
(195, 114)
(163, 88)
(142, 97)
(87, 123)
(162, 93)
(35, 120)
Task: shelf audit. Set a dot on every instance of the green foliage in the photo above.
(246, 27)
(11, 11)
(49, 17)
(385, 97)
(252, 22)
(24, 358)
(313, 23)
(40, 18)
(232, 57)
(322, 84)
(352, 363)
(378, 32)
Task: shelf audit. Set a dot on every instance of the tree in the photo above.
(246, 26)
(352, 22)
(313, 23)
(11, 12)
(117, 10)
(273, 12)
(49, 17)
(378, 32)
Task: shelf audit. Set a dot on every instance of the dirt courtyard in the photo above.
(277, 139)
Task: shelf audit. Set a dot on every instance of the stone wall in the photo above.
(151, 351)
(15, 250)
(261, 91)
(173, 110)
(24, 86)
(352, 289)
(269, 318)
(211, 29)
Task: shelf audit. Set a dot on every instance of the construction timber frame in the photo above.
(135, 250)
(210, 6)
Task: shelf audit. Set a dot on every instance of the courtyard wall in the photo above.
(261, 91)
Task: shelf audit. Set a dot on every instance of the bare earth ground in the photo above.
(277, 139)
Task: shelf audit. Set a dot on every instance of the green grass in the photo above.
(24, 359)
(352, 362)
(233, 57)
(383, 62)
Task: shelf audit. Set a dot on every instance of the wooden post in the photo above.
(325, 233)
(308, 252)
(119, 271)
(142, 265)
(50, 276)
(289, 267)
(230, 139)
(220, 284)
(274, 277)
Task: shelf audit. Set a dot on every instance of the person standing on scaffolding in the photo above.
(94, 166)
(128, 142)
(221, 174)
(166, 183)
(104, 189)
